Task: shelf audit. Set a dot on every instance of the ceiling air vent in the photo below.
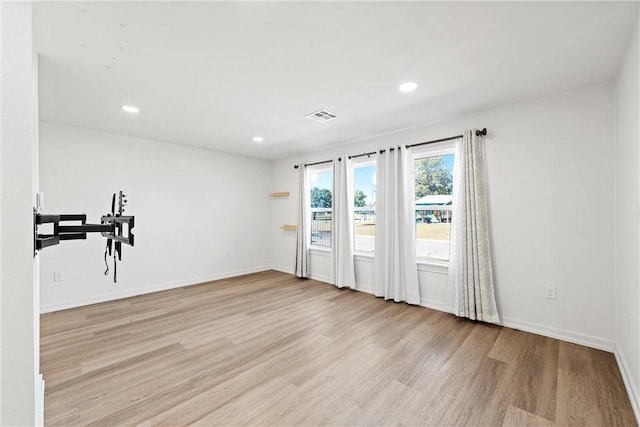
(321, 116)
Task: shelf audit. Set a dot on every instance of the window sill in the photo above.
(433, 266)
(364, 257)
(318, 250)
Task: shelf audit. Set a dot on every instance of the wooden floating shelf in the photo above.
(288, 227)
(280, 194)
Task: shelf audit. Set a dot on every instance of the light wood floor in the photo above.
(269, 349)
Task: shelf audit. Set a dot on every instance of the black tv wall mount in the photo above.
(115, 227)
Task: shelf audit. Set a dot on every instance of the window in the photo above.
(321, 208)
(364, 205)
(433, 172)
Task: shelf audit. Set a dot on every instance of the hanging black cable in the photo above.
(106, 272)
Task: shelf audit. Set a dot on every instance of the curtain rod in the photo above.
(317, 163)
(372, 152)
(482, 132)
(478, 133)
(362, 155)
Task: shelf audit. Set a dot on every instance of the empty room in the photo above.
(320, 213)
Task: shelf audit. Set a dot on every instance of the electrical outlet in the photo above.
(549, 292)
(58, 276)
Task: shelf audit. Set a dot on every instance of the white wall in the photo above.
(627, 218)
(550, 175)
(20, 391)
(199, 214)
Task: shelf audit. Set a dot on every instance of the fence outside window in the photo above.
(321, 227)
(433, 229)
(433, 214)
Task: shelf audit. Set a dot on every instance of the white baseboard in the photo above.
(318, 277)
(632, 391)
(321, 278)
(365, 289)
(146, 290)
(573, 337)
(39, 400)
(561, 334)
(547, 331)
(286, 270)
(577, 338)
(433, 304)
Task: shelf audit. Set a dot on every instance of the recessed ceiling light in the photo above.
(258, 139)
(130, 109)
(408, 87)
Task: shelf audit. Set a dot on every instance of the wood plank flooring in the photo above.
(269, 349)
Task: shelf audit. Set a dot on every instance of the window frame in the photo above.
(363, 161)
(328, 167)
(431, 150)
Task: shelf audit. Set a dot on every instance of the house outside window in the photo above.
(433, 174)
(364, 205)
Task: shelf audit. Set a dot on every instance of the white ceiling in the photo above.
(215, 74)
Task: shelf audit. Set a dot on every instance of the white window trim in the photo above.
(318, 169)
(433, 265)
(363, 162)
(432, 150)
(320, 250)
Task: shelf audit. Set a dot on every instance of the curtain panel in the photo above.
(395, 266)
(342, 263)
(302, 230)
(471, 288)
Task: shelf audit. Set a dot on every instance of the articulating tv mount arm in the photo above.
(114, 226)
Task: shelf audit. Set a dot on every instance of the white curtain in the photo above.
(471, 289)
(395, 266)
(344, 274)
(302, 246)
